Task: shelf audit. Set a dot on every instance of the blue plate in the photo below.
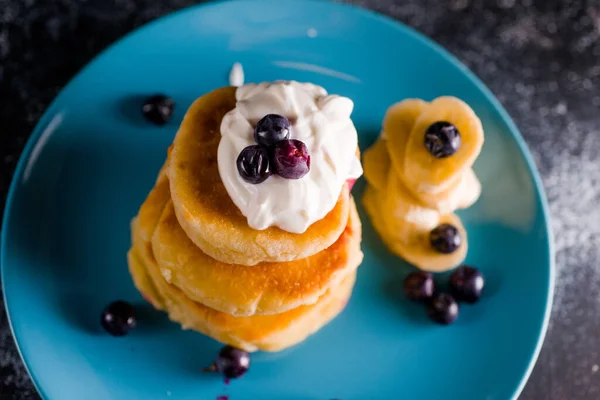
(93, 158)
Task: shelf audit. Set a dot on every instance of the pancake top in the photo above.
(314, 142)
(206, 212)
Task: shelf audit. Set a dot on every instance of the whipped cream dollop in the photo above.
(319, 120)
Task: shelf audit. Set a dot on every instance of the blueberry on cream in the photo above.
(271, 129)
(253, 164)
(311, 142)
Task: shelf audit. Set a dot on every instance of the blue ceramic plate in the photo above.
(93, 158)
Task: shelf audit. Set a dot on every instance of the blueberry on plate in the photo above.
(253, 164)
(442, 308)
(291, 159)
(271, 129)
(419, 285)
(442, 139)
(466, 284)
(445, 238)
(231, 363)
(158, 109)
(118, 318)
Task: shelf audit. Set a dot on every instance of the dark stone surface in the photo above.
(539, 57)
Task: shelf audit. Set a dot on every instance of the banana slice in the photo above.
(417, 250)
(397, 125)
(423, 171)
(371, 203)
(470, 189)
(402, 209)
(376, 164)
(414, 246)
(462, 194)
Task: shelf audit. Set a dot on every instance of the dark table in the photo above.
(541, 58)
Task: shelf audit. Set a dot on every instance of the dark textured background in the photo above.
(541, 58)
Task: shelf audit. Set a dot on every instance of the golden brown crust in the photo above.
(272, 332)
(265, 288)
(194, 255)
(259, 332)
(206, 212)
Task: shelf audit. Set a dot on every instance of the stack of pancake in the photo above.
(195, 257)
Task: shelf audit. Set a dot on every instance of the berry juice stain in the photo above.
(224, 396)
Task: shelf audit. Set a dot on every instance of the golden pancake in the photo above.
(142, 280)
(266, 288)
(259, 332)
(268, 332)
(206, 212)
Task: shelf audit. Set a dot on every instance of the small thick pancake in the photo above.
(268, 332)
(206, 212)
(259, 332)
(265, 288)
(142, 280)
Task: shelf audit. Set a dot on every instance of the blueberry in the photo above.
(118, 318)
(466, 284)
(253, 164)
(445, 238)
(419, 285)
(158, 109)
(442, 308)
(271, 129)
(231, 362)
(291, 159)
(442, 139)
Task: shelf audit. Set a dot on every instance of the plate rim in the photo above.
(378, 17)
